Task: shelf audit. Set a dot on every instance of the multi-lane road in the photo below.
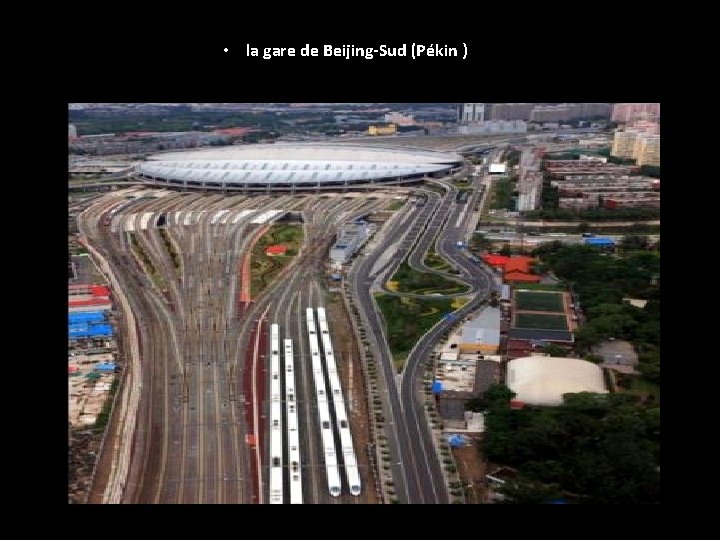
(441, 222)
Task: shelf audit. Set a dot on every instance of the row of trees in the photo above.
(601, 281)
(550, 212)
(598, 448)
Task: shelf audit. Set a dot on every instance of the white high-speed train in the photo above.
(328, 441)
(293, 435)
(343, 426)
(276, 439)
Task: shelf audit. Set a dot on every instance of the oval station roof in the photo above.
(264, 164)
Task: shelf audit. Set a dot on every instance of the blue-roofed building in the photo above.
(86, 317)
(599, 241)
(106, 367)
(89, 330)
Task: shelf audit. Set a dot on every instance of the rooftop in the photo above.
(485, 328)
(540, 334)
(276, 250)
(539, 380)
(295, 163)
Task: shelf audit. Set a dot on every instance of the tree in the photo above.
(480, 242)
(605, 447)
(523, 490)
(633, 242)
(649, 366)
(475, 404)
(498, 394)
(583, 227)
(505, 250)
(555, 350)
(587, 337)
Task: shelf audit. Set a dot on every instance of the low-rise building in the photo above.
(632, 200)
(482, 334)
(543, 380)
(515, 269)
(563, 167)
(350, 238)
(390, 129)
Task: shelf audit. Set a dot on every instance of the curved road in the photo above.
(415, 466)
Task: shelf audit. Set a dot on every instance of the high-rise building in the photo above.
(644, 126)
(593, 110)
(72, 131)
(508, 111)
(494, 126)
(624, 144)
(399, 119)
(624, 113)
(565, 112)
(647, 150)
(643, 147)
(471, 113)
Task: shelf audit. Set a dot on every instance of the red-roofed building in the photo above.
(516, 276)
(274, 251)
(91, 302)
(494, 260)
(515, 269)
(517, 348)
(518, 264)
(99, 290)
(234, 132)
(516, 405)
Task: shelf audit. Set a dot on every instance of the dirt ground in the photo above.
(84, 444)
(471, 469)
(347, 353)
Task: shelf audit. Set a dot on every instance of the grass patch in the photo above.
(544, 322)
(395, 205)
(407, 319)
(436, 262)
(435, 188)
(502, 196)
(102, 418)
(459, 302)
(264, 269)
(411, 281)
(540, 287)
(644, 388)
(149, 268)
(170, 248)
(539, 301)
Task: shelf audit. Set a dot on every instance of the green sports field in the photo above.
(539, 301)
(544, 322)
